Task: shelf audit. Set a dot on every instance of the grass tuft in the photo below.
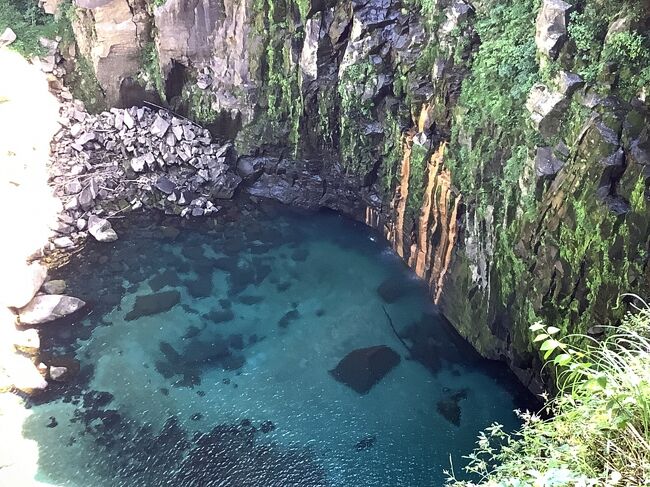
(599, 430)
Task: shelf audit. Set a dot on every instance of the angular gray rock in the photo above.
(55, 286)
(101, 229)
(165, 185)
(546, 164)
(7, 37)
(87, 196)
(49, 307)
(159, 127)
(568, 83)
(63, 242)
(547, 108)
(551, 27)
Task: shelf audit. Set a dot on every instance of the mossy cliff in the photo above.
(504, 144)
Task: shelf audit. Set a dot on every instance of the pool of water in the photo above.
(223, 377)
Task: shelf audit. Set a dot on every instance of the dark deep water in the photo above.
(230, 385)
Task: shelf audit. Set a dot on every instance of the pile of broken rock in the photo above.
(125, 159)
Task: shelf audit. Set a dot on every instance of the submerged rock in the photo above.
(152, 304)
(391, 290)
(168, 277)
(267, 426)
(288, 318)
(361, 369)
(449, 407)
(219, 316)
(233, 362)
(49, 307)
(365, 443)
(200, 287)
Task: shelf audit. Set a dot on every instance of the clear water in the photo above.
(152, 406)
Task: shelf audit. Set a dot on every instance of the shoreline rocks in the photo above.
(49, 307)
(101, 229)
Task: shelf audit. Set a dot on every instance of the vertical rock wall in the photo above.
(502, 146)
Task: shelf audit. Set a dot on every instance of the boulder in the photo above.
(361, 369)
(101, 229)
(49, 307)
(547, 108)
(165, 185)
(86, 198)
(55, 286)
(159, 127)
(551, 27)
(7, 37)
(152, 304)
(250, 168)
(62, 368)
(137, 164)
(225, 186)
(63, 242)
(546, 164)
(26, 280)
(568, 83)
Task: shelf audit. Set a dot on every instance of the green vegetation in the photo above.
(284, 101)
(150, 68)
(199, 103)
(84, 85)
(628, 49)
(599, 430)
(356, 111)
(491, 139)
(30, 23)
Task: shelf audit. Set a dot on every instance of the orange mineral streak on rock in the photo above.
(424, 121)
(420, 261)
(452, 235)
(401, 195)
(432, 250)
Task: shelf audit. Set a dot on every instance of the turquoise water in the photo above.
(227, 382)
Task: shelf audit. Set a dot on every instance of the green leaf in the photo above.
(550, 345)
(563, 359)
(551, 330)
(596, 384)
(541, 337)
(536, 327)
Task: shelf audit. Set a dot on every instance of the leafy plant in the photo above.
(599, 430)
(30, 23)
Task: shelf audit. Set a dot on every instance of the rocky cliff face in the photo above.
(502, 146)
